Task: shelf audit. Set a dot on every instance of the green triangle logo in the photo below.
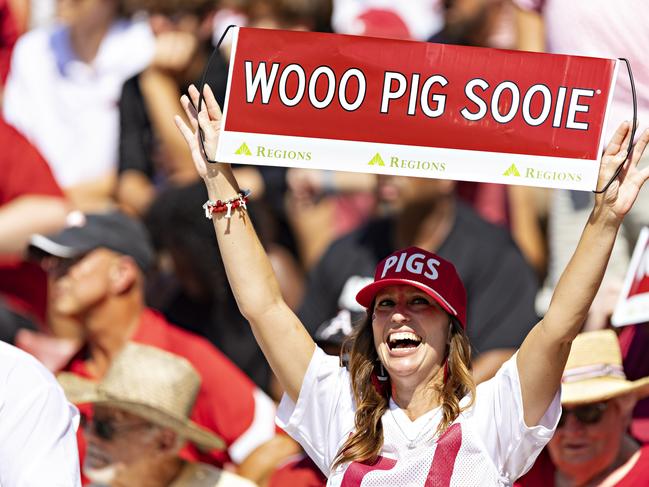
(512, 171)
(377, 160)
(243, 150)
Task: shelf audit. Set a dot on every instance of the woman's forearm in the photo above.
(248, 268)
(580, 280)
(285, 342)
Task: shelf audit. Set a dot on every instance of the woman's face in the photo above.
(410, 333)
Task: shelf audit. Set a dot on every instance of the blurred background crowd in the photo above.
(104, 247)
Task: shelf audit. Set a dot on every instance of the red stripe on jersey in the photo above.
(444, 459)
(356, 471)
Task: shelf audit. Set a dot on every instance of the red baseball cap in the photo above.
(424, 270)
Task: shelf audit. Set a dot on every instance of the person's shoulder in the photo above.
(175, 336)
(39, 38)
(35, 47)
(134, 30)
(38, 58)
(200, 352)
(129, 42)
(21, 368)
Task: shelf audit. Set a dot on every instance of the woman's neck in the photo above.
(417, 399)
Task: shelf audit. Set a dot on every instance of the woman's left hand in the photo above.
(618, 199)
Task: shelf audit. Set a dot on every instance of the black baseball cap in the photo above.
(86, 232)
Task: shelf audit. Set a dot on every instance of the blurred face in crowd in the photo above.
(181, 22)
(178, 37)
(125, 449)
(589, 437)
(77, 285)
(401, 191)
(87, 13)
(410, 333)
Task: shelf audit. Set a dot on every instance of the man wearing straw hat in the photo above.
(591, 445)
(141, 421)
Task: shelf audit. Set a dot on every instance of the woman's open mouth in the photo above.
(403, 342)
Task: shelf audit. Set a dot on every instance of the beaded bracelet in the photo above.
(226, 206)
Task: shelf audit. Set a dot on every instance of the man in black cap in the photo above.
(96, 269)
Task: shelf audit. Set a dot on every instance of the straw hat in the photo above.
(148, 382)
(594, 371)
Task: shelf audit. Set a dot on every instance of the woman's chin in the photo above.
(404, 365)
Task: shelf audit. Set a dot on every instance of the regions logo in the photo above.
(377, 160)
(533, 173)
(243, 150)
(512, 171)
(399, 163)
(275, 153)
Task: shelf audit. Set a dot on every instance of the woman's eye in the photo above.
(420, 301)
(386, 302)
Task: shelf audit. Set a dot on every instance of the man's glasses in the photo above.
(107, 429)
(588, 414)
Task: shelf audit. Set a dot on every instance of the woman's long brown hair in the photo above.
(366, 441)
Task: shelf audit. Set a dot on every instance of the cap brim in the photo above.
(366, 295)
(602, 389)
(49, 246)
(65, 245)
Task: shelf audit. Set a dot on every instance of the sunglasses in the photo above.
(588, 414)
(107, 429)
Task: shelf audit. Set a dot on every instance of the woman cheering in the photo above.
(406, 411)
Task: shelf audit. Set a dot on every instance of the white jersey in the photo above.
(488, 444)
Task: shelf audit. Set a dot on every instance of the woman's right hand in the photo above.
(209, 119)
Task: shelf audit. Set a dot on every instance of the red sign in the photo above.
(410, 94)
(633, 304)
(640, 283)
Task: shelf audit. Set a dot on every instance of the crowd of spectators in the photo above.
(109, 272)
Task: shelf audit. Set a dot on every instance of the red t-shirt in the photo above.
(542, 473)
(634, 343)
(23, 172)
(226, 400)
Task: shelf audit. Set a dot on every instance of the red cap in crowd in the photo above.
(424, 270)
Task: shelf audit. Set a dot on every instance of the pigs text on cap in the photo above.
(424, 270)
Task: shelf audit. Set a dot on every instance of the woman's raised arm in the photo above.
(543, 355)
(285, 342)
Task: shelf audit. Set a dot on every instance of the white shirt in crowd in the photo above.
(488, 445)
(69, 109)
(38, 443)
